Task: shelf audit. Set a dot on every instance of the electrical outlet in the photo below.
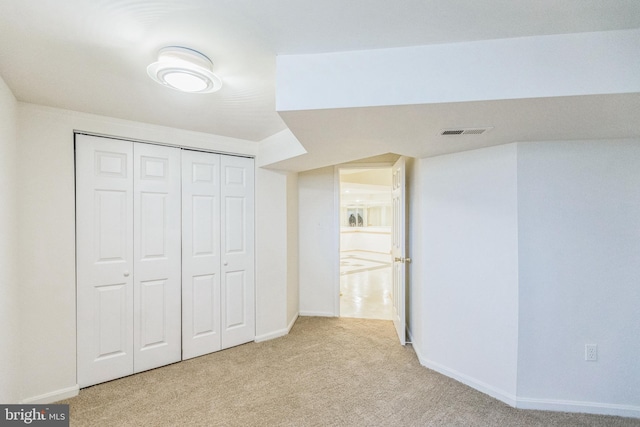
(591, 352)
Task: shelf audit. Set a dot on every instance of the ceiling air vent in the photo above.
(465, 131)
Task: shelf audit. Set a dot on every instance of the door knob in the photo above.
(226, 263)
(126, 274)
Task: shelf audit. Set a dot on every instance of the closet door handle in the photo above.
(225, 263)
(126, 274)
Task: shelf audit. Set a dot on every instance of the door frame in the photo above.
(399, 280)
(336, 221)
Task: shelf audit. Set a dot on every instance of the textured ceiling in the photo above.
(91, 56)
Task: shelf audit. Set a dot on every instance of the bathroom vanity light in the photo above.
(184, 69)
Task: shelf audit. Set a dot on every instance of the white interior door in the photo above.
(237, 238)
(104, 236)
(398, 249)
(157, 256)
(200, 253)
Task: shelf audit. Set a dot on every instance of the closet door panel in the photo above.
(200, 253)
(157, 257)
(237, 229)
(104, 243)
(203, 303)
(235, 296)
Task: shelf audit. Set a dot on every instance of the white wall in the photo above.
(46, 251)
(318, 242)
(469, 268)
(9, 280)
(579, 230)
(271, 264)
(293, 293)
(276, 243)
(525, 253)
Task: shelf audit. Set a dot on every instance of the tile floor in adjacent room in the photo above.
(365, 285)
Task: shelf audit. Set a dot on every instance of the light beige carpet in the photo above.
(326, 372)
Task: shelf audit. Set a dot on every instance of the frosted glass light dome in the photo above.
(184, 69)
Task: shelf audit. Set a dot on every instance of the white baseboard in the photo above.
(417, 350)
(485, 388)
(317, 314)
(293, 322)
(53, 396)
(279, 333)
(529, 403)
(578, 406)
(271, 335)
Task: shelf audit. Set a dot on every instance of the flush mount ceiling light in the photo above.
(465, 131)
(184, 69)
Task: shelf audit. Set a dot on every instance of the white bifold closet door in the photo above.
(237, 239)
(200, 254)
(217, 250)
(157, 256)
(104, 237)
(128, 257)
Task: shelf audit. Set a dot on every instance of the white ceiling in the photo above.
(91, 56)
